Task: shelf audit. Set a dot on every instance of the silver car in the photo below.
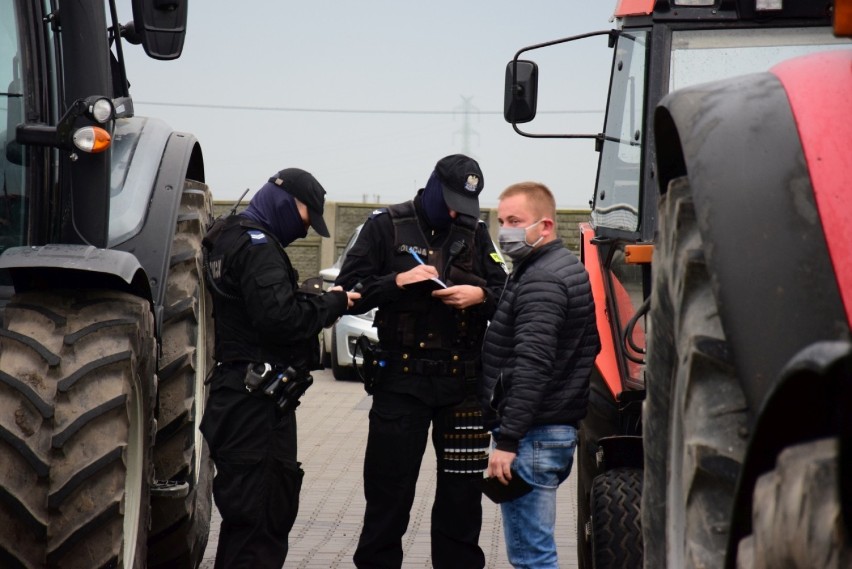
(339, 339)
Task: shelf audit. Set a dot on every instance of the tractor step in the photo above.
(169, 489)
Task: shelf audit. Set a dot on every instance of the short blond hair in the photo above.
(539, 198)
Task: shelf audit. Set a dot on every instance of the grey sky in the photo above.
(246, 66)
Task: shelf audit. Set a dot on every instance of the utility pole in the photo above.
(467, 109)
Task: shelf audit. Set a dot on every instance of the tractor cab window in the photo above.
(619, 170)
(699, 56)
(11, 114)
(12, 203)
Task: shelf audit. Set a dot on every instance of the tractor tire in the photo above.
(181, 501)
(616, 531)
(694, 414)
(796, 521)
(77, 426)
(340, 372)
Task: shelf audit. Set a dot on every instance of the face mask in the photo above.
(513, 241)
(276, 210)
(434, 206)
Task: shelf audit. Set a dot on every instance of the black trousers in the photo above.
(399, 426)
(258, 479)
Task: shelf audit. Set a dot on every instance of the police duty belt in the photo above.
(405, 364)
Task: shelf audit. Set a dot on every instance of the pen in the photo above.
(415, 255)
(419, 260)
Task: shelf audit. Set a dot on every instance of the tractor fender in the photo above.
(74, 266)
(151, 241)
(137, 149)
(765, 248)
(820, 89)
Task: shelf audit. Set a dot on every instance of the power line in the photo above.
(344, 111)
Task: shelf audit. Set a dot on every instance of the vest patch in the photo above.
(422, 251)
(495, 256)
(216, 268)
(257, 237)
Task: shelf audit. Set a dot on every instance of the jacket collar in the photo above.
(537, 253)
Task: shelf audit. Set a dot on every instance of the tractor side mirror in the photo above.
(521, 94)
(161, 26)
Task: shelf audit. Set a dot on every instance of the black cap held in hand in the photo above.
(305, 188)
(462, 180)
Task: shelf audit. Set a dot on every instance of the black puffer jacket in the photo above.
(540, 348)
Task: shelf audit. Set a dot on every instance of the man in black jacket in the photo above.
(537, 356)
(428, 362)
(266, 333)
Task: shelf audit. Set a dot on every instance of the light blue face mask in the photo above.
(513, 241)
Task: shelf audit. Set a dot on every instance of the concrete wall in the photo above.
(311, 254)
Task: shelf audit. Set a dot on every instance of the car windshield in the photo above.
(342, 258)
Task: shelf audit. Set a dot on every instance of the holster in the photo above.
(368, 371)
(285, 385)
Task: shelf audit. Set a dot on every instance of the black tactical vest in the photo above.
(236, 339)
(417, 324)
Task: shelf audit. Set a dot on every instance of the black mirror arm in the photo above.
(518, 90)
(613, 34)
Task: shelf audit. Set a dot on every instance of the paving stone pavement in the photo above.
(332, 423)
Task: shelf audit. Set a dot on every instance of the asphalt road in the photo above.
(332, 437)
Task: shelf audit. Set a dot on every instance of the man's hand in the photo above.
(500, 465)
(460, 296)
(416, 275)
(351, 297)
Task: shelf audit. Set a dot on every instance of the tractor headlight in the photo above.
(92, 139)
(100, 109)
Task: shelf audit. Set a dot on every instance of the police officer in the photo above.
(266, 332)
(425, 369)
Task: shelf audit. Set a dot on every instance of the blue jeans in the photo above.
(545, 457)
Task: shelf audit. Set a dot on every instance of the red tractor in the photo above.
(743, 297)
(749, 373)
(105, 336)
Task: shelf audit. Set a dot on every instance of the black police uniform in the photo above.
(429, 356)
(259, 318)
